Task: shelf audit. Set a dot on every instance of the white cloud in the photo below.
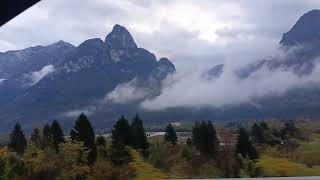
(191, 89)
(2, 80)
(76, 112)
(127, 92)
(200, 30)
(195, 34)
(38, 75)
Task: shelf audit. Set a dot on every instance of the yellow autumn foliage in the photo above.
(275, 167)
(144, 170)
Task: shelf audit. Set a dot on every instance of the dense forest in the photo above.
(256, 149)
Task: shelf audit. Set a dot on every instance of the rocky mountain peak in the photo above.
(165, 62)
(120, 38)
(306, 30)
(62, 44)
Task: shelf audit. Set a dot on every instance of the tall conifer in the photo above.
(17, 142)
(57, 134)
(139, 136)
(170, 135)
(83, 132)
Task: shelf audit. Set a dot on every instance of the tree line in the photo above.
(83, 155)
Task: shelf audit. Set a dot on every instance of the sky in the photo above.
(183, 30)
(194, 34)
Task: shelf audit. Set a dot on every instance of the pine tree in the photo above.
(257, 133)
(204, 138)
(73, 135)
(290, 131)
(57, 134)
(83, 132)
(122, 131)
(47, 136)
(195, 135)
(139, 136)
(119, 154)
(170, 135)
(101, 144)
(244, 145)
(101, 141)
(213, 143)
(120, 138)
(189, 142)
(17, 142)
(36, 138)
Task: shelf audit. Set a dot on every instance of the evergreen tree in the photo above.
(264, 126)
(36, 138)
(212, 143)
(47, 136)
(257, 133)
(101, 144)
(195, 135)
(73, 135)
(122, 131)
(189, 142)
(204, 138)
(290, 131)
(244, 145)
(170, 135)
(119, 154)
(120, 138)
(17, 142)
(83, 132)
(139, 136)
(57, 134)
(101, 141)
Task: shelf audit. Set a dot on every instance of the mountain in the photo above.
(18, 66)
(300, 47)
(110, 77)
(306, 30)
(81, 76)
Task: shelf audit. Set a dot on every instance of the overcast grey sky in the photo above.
(183, 30)
(194, 34)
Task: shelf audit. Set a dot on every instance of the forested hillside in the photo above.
(258, 149)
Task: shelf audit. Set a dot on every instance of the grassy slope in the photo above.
(145, 171)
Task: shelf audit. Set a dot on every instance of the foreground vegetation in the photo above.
(259, 149)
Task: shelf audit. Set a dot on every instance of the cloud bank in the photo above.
(192, 89)
(36, 76)
(195, 34)
(76, 112)
(183, 30)
(2, 80)
(127, 92)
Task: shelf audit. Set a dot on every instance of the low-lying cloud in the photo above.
(2, 80)
(36, 76)
(192, 89)
(127, 92)
(76, 112)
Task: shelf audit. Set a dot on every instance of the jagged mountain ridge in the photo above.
(86, 74)
(299, 34)
(17, 66)
(301, 45)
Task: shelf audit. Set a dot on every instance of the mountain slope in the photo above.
(112, 77)
(19, 68)
(306, 30)
(85, 75)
